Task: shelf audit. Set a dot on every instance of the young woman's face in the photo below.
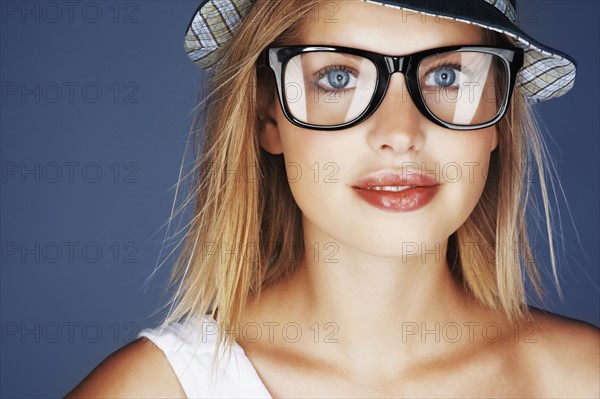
(327, 170)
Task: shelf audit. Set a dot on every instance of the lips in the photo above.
(396, 191)
(395, 179)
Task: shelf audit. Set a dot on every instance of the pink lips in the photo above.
(397, 192)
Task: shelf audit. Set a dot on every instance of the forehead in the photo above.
(387, 30)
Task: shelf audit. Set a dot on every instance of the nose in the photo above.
(395, 125)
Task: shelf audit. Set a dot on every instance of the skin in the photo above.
(374, 294)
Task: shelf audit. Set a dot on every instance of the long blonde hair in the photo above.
(246, 229)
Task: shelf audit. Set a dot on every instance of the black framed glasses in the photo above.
(333, 88)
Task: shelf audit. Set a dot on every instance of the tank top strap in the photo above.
(189, 348)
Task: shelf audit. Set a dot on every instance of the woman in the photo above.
(361, 232)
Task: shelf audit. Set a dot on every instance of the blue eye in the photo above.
(444, 77)
(336, 78)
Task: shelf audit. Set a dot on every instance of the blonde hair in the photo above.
(246, 229)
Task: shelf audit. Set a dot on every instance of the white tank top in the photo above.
(189, 349)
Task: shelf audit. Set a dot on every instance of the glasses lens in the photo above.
(328, 88)
(464, 87)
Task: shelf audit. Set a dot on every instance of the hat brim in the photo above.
(547, 73)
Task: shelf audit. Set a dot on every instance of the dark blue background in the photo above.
(63, 312)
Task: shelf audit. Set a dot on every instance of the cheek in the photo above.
(319, 166)
(314, 161)
(464, 167)
(313, 158)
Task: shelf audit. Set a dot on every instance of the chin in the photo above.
(399, 246)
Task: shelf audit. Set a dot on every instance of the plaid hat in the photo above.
(547, 73)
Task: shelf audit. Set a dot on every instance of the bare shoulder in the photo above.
(137, 370)
(567, 354)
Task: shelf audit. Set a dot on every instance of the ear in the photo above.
(269, 135)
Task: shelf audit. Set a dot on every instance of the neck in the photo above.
(374, 304)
